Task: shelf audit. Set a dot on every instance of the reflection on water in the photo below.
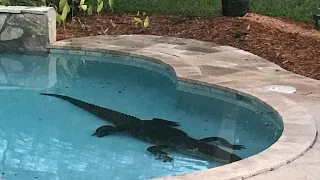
(46, 138)
(19, 73)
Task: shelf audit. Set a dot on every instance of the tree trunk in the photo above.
(235, 7)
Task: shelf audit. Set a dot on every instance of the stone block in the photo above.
(11, 33)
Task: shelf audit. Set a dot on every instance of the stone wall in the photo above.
(25, 29)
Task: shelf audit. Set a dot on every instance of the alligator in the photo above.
(163, 134)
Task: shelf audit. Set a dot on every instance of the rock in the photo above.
(36, 23)
(34, 43)
(10, 33)
(16, 20)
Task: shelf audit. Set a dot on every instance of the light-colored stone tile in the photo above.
(197, 49)
(51, 21)
(225, 48)
(12, 9)
(37, 10)
(187, 71)
(216, 70)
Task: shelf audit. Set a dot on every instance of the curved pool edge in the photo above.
(192, 62)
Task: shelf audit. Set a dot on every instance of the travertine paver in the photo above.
(238, 71)
(306, 167)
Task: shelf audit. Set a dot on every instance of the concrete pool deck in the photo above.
(293, 156)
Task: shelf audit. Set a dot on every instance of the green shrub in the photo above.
(64, 7)
(300, 10)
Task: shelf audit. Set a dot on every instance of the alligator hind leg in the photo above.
(223, 141)
(157, 151)
(106, 130)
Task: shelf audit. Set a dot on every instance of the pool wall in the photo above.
(26, 29)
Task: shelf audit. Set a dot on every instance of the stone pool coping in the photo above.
(202, 67)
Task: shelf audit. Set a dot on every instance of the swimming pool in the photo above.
(50, 139)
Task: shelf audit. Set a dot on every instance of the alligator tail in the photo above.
(112, 116)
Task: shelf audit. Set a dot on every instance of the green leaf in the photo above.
(111, 5)
(65, 11)
(62, 4)
(138, 20)
(58, 18)
(100, 6)
(90, 10)
(83, 7)
(146, 22)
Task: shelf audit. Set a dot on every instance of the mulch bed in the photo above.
(294, 46)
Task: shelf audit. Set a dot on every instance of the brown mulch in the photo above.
(294, 46)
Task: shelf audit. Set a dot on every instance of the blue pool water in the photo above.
(47, 138)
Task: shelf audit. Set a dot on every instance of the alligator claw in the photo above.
(164, 158)
(97, 134)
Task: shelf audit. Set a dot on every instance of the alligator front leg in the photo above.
(106, 130)
(157, 151)
(224, 142)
